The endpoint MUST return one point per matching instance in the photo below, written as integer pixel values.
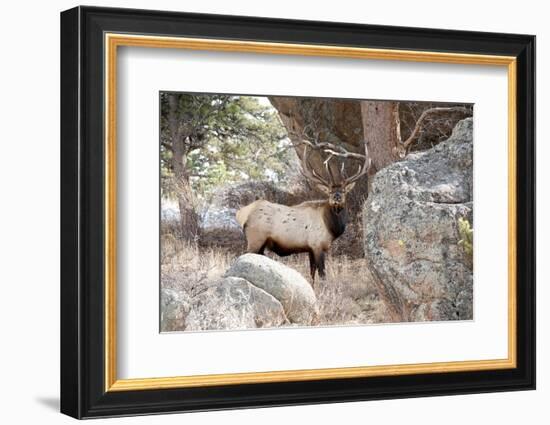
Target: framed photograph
(261, 212)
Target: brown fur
(309, 227)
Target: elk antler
(329, 170)
(332, 151)
(311, 174)
(362, 169)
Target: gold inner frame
(113, 41)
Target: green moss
(466, 236)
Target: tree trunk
(381, 129)
(189, 219)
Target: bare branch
(345, 154)
(329, 148)
(429, 112)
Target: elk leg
(262, 249)
(312, 266)
(320, 260)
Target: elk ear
(349, 187)
(323, 189)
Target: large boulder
(284, 283)
(234, 303)
(411, 231)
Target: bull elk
(309, 227)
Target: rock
(169, 211)
(174, 308)
(285, 284)
(411, 236)
(234, 303)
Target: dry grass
(346, 296)
(190, 269)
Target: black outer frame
(82, 207)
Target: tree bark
(381, 130)
(189, 220)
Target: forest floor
(347, 295)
